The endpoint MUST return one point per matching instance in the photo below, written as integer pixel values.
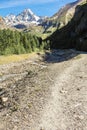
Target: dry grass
(15, 58)
(78, 57)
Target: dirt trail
(53, 117)
(67, 107)
(53, 97)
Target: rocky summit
(26, 17)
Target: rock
(4, 99)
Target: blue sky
(39, 7)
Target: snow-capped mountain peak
(28, 15)
(25, 17)
(28, 11)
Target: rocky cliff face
(74, 34)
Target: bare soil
(48, 92)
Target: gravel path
(66, 108)
(49, 96)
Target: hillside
(62, 17)
(65, 14)
(74, 34)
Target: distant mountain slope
(62, 17)
(74, 34)
(66, 8)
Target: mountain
(63, 16)
(60, 19)
(27, 18)
(74, 34)
(69, 8)
(46, 25)
(24, 18)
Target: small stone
(4, 99)
(78, 89)
(41, 129)
(80, 77)
(79, 117)
(15, 128)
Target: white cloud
(14, 3)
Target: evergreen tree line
(15, 42)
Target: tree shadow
(60, 55)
